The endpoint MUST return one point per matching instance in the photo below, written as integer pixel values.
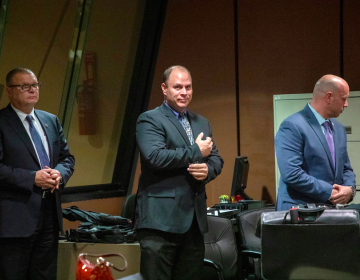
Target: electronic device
(241, 170)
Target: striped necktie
(330, 139)
(186, 125)
(44, 159)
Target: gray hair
(14, 71)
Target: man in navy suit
(35, 163)
(313, 162)
(178, 158)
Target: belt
(45, 193)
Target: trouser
(171, 256)
(34, 257)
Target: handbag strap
(107, 255)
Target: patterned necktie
(186, 125)
(330, 139)
(44, 159)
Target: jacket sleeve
(214, 161)
(65, 161)
(289, 149)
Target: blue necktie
(330, 139)
(44, 159)
(186, 125)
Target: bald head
(330, 83)
(330, 96)
(168, 71)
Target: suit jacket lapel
(318, 131)
(170, 115)
(195, 125)
(15, 122)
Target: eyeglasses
(27, 87)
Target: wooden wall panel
(284, 47)
(200, 36)
(351, 25)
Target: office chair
(325, 248)
(249, 242)
(221, 255)
(128, 210)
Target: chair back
(128, 210)
(247, 223)
(249, 243)
(220, 246)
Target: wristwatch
(353, 188)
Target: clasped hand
(204, 145)
(48, 178)
(198, 170)
(340, 194)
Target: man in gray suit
(178, 158)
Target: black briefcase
(325, 245)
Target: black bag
(323, 245)
(73, 213)
(98, 227)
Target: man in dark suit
(34, 164)
(311, 150)
(178, 158)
